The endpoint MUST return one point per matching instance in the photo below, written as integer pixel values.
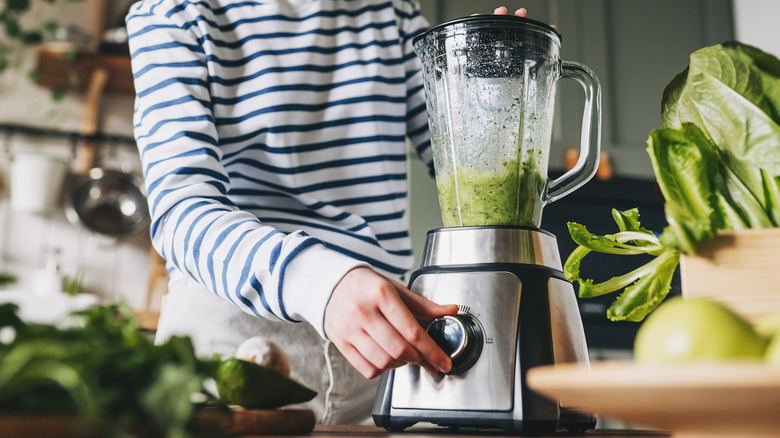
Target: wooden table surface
(420, 432)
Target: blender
(490, 89)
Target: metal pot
(109, 202)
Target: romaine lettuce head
(731, 92)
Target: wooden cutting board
(259, 421)
(234, 423)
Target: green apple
(772, 355)
(696, 330)
(768, 325)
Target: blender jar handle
(590, 137)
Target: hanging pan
(109, 201)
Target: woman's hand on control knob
(375, 323)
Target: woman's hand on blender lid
(522, 12)
(502, 10)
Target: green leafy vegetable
(7, 279)
(102, 368)
(717, 164)
(105, 371)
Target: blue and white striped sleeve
(194, 225)
(412, 23)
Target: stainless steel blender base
(527, 316)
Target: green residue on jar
(508, 195)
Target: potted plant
(717, 164)
(21, 32)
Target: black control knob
(460, 336)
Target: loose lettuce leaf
(645, 286)
(642, 297)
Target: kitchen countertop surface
(419, 432)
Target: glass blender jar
(490, 85)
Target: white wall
(755, 23)
(111, 269)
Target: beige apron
(344, 396)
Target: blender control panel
(460, 336)
(480, 339)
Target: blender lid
(480, 19)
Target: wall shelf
(7, 130)
(56, 71)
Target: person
(272, 136)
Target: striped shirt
(272, 137)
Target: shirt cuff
(309, 282)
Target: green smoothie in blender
(508, 195)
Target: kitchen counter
(420, 432)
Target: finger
(402, 320)
(522, 12)
(502, 10)
(357, 360)
(423, 308)
(371, 351)
(391, 341)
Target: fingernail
(445, 366)
(522, 12)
